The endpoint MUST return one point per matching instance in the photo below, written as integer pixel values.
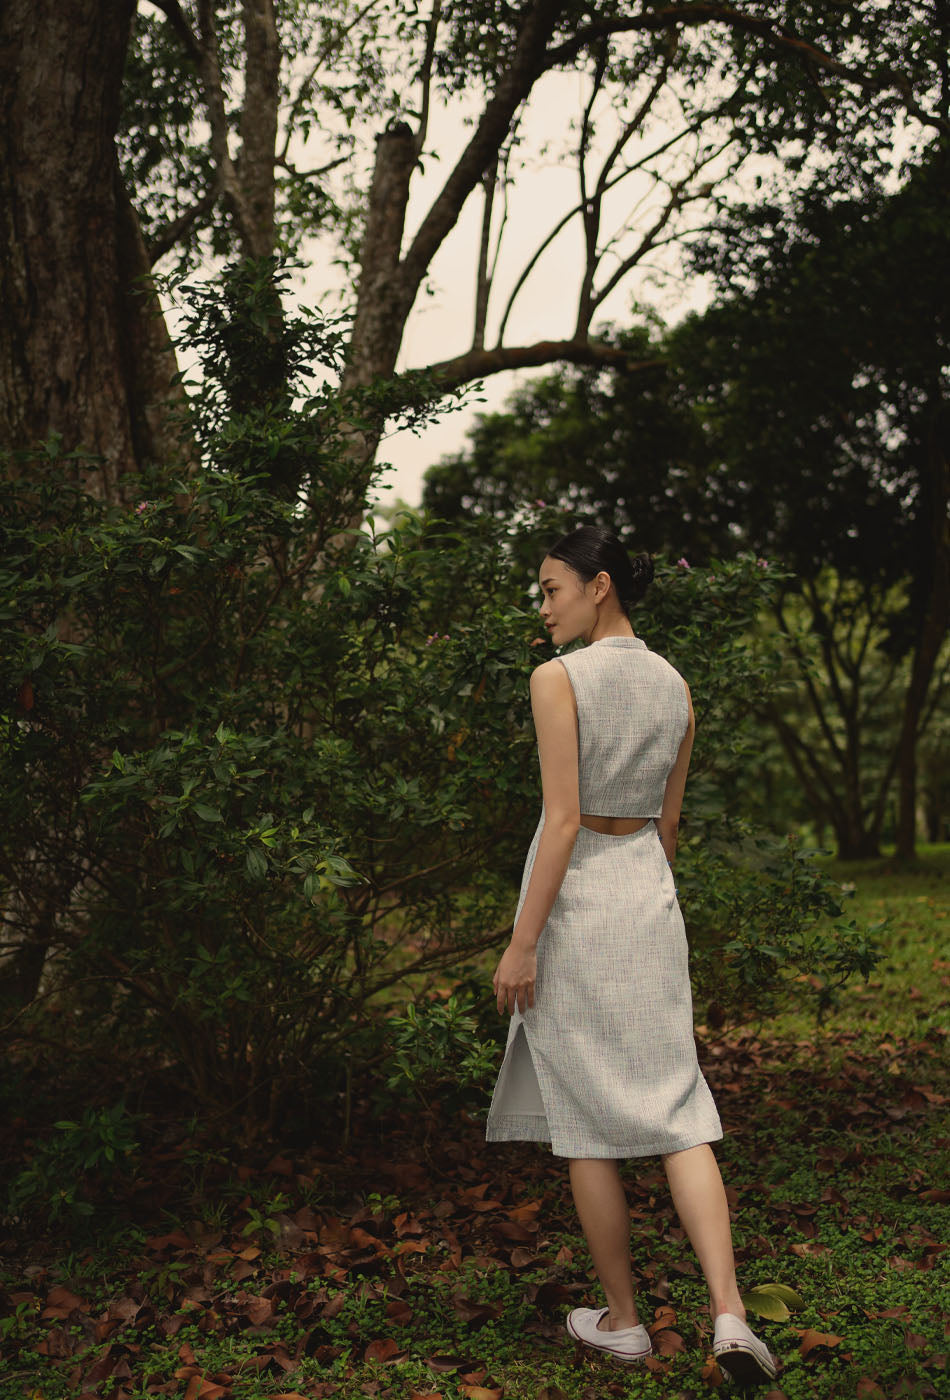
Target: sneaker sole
(744, 1366)
(629, 1358)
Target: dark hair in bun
(591, 550)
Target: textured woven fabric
(604, 1064)
(632, 716)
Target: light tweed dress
(604, 1064)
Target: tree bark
(934, 625)
(81, 356)
(384, 297)
(259, 123)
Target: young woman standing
(600, 1059)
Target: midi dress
(604, 1064)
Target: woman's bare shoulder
(550, 680)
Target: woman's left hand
(514, 978)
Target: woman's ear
(601, 585)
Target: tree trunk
(854, 841)
(82, 356)
(933, 631)
(383, 298)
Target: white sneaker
(629, 1344)
(740, 1353)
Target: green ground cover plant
(422, 1263)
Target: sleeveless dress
(604, 1064)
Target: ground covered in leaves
(424, 1263)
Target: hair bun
(643, 570)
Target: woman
(600, 1059)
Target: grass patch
(909, 991)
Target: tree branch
(531, 264)
(478, 363)
(211, 80)
(605, 184)
(590, 208)
(651, 239)
(778, 36)
(483, 276)
(514, 85)
(178, 20)
(804, 669)
(168, 235)
(432, 29)
(313, 174)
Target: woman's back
(632, 716)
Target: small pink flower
(762, 563)
(682, 564)
(541, 504)
(142, 507)
(712, 578)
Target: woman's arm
(555, 722)
(669, 818)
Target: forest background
(268, 771)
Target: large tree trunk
(82, 353)
(934, 624)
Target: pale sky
(441, 323)
(543, 188)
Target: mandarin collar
(619, 642)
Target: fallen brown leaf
(448, 1363)
(383, 1350)
(811, 1340)
(868, 1389)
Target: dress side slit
(519, 1091)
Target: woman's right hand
(514, 978)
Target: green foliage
(101, 1148)
(347, 69)
(759, 911)
(438, 1054)
(836, 1165)
(261, 773)
(263, 782)
(776, 1301)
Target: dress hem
(521, 1128)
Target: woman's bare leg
(700, 1201)
(605, 1219)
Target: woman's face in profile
(567, 610)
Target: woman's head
(589, 576)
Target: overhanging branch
(479, 363)
(778, 36)
(169, 234)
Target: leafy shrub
(102, 1146)
(262, 781)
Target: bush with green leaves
(264, 780)
(101, 1147)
